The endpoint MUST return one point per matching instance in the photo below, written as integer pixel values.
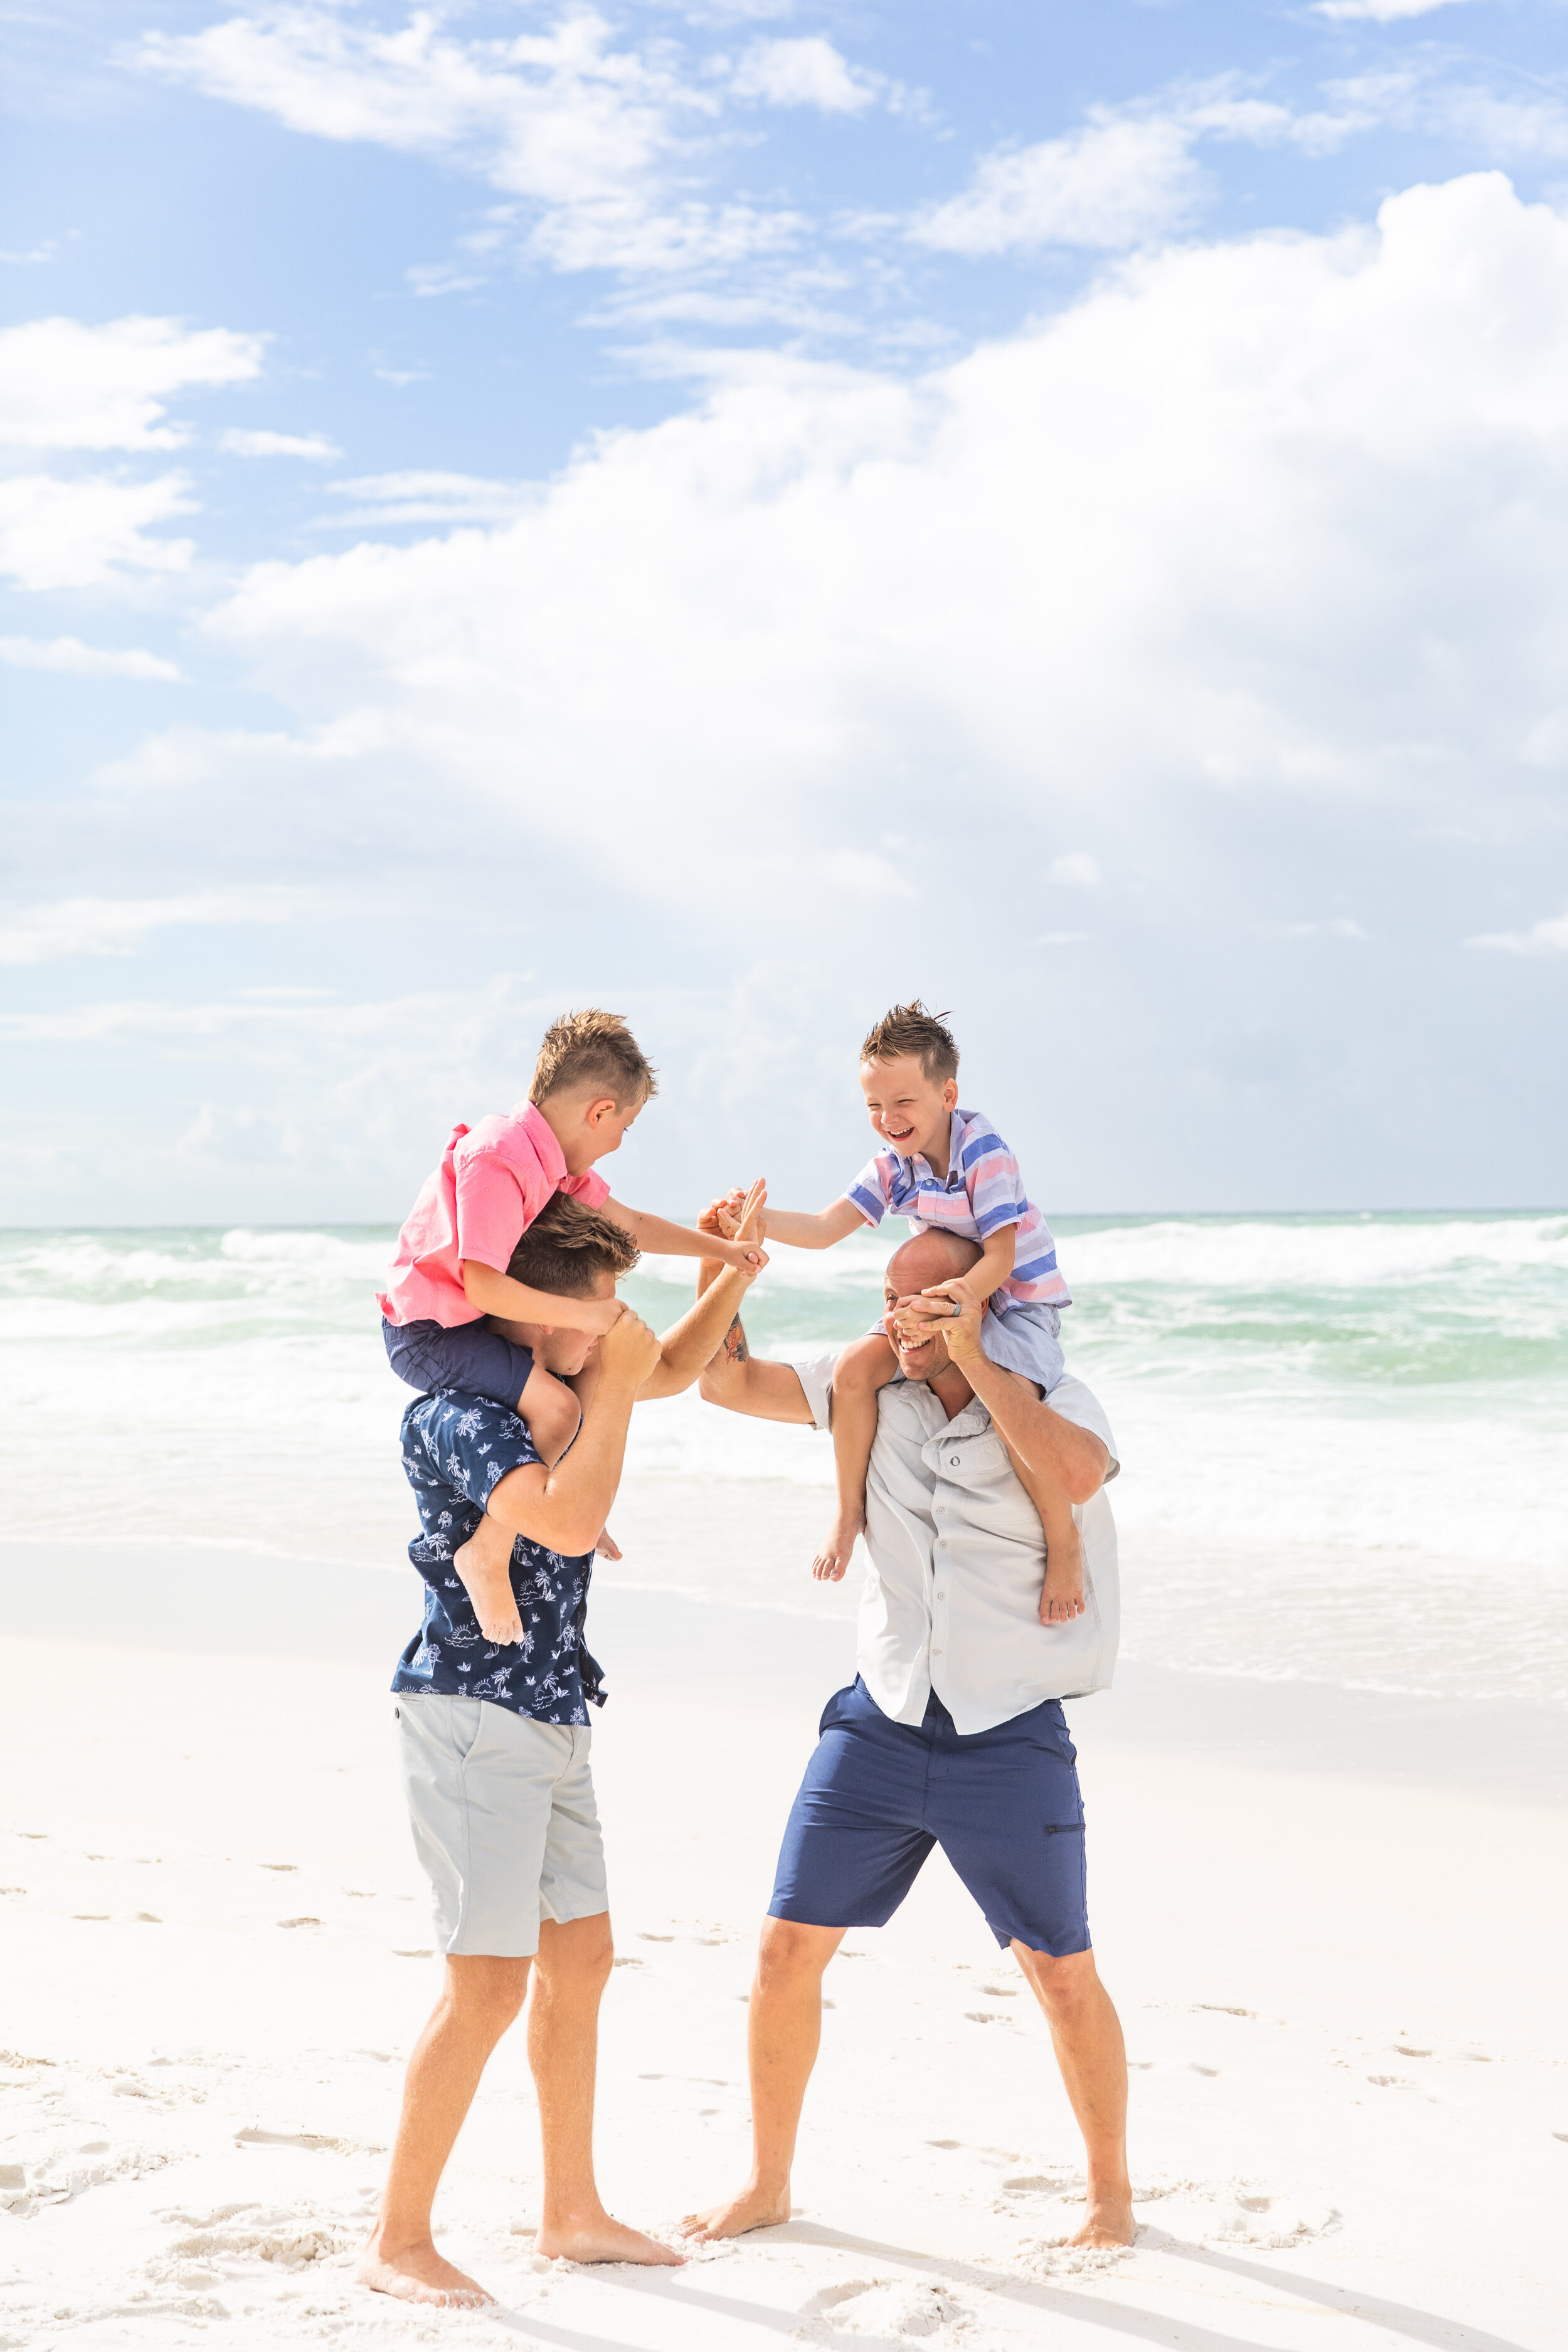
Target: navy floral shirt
(455, 1449)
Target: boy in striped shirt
(947, 1171)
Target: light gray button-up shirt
(950, 1600)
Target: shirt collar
(541, 1135)
(914, 1160)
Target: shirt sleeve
(492, 1210)
(994, 1183)
(816, 1378)
(1076, 1401)
(590, 1188)
(476, 1442)
(871, 1190)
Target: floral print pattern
(455, 1449)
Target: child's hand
(722, 1217)
(948, 1312)
(597, 1315)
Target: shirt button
(936, 1653)
(952, 1461)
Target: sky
(749, 513)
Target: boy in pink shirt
(449, 1270)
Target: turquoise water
(1344, 1439)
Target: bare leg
(1086, 2033)
(784, 2034)
(1061, 1596)
(478, 2000)
(573, 1968)
(865, 1367)
(484, 1563)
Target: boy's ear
(950, 1094)
(599, 1111)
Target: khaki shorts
(504, 1821)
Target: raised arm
(734, 1378)
(816, 1228)
(565, 1508)
(1072, 1459)
(687, 1346)
(657, 1237)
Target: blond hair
(910, 1029)
(592, 1049)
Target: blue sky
(747, 512)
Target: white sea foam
(1343, 1439)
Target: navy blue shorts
(472, 1356)
(1004, 1805)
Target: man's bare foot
(1108, 2221)
(831, 1561)
(753, 2209)
(602, 2239)
(419, 2274)
(1061, 1597)
(487, 1583)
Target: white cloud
(1211, 533)
(101, 926)
(71, 658)
(1119, 180)
(806, 72)
(237, 443)
(1549, 937)
(1077, 868)
(88, 532)
(413, 498)
(64, 385)
(594, 134)
(1376, 12)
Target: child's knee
(867, 1365)
(550, 1410)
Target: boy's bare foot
(831, 1561)
(602, 2239)
(486, 1580)
(753, 2209)
(1061, 1596)
(1108, 2221)
(419, 2274)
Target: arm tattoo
(735, 1346)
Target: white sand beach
(1333, 1925)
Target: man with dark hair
(494, 1742)
(951, 1733)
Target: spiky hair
(592, 1049)
(910, 1029)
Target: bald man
(951, 1733)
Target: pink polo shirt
(492, 1182)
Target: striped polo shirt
(982, 1191)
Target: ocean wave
(1327, 1254)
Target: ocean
(1344, 1439)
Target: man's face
(922, 1363)
(906, 1108)
(561, 1351)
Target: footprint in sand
(887, 2307)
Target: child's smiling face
(907, 1109)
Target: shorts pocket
(468, 1721)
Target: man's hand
(745, 1255)
(606, 1547)
(629, 1351)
